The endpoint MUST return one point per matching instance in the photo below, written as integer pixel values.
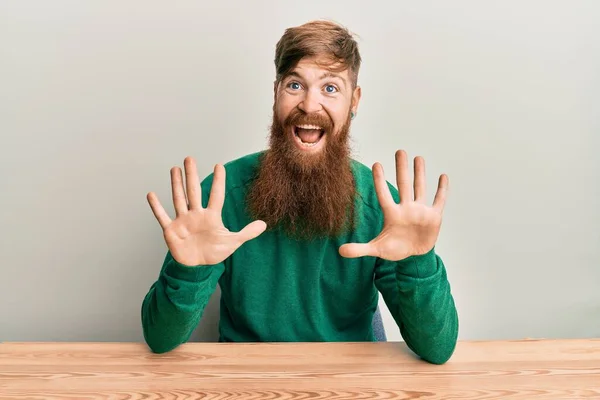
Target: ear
(356, 98)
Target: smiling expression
(314, 102)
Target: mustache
(299, 118)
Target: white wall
(99, 99)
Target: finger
(192, 184)
(420, 183)
(381, 187)
(353, 250)
(158, 210)
(403, 177)
(440, 196)
(251, 231)
(217, 191)
(179, 200)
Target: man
(301, 237)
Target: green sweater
(274, 289)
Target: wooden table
(525, 369)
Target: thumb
(353, 250)
(251, 231)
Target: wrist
(419, 266)
(184, 272)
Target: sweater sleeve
(417, 293)
(175, 303)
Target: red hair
(333, 44)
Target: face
(313, 104)
(305, 184)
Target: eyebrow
(328, 74)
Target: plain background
(98, 100)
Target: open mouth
(308, 135)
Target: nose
(311, 103)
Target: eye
(294, 85)
(330, 89)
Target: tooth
(309, 127)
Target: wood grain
(524, 369)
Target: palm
(200, 236)
(197, 236)
(409, 228)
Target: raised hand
(409, 228)
(197, 236)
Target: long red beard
(305, 195)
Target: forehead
(320, 67)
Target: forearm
(426, 309)
(175, 303)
